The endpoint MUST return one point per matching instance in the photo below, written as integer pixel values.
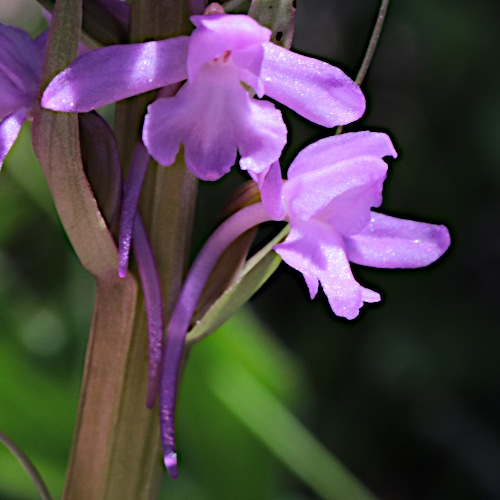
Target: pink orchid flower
(332, 186)
(213, 114)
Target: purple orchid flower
(212, 114)
(21, 60)
(332, 186)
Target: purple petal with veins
(113, 73)
(337, 148)
(314, 89)
(332, 186)
(389, 242)
(214, 118)
(317, 250)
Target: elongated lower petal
(214, 118)
(388, 242)
(341, 147)
(9, 130)
(314, 89)
(317, 250)
(133, 187)
(113, 73)
(153, 302)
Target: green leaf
(255, 273)
(271, 421)
(278, 16)
(56, 143)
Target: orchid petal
(350, 212)
(41, 40)
(153, 303)
(314, 89)
(136, 174)
(341, 147)
(20, 59)
(261, 135)
(388, 242)
(202, 117)
(309, 194)
(113, 73)
(316, 250)
(270, 186)
(220, 33)
(369, 295)
(9, 131)
(11, 97)
(214, 117)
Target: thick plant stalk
(116, 447)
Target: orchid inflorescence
(207, 82)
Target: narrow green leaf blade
(56, 143)
(255, 273)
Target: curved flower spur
(212, 114)
(332, 186)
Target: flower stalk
(116, 446)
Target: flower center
(224, 58)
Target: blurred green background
(407, 396)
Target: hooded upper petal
(113, 73)
(213, 118)
(314, 193)
(314, 89)
(341, 147)
(218, 34)
(389, 242)
(317, 251)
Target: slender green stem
(34, 475)
(372, 45)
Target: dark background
(406, 395)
